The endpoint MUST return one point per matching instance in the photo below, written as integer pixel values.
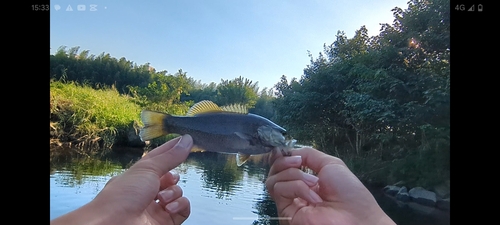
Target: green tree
(98, 71)
(382, 101)
(198, 91)
(237, 91)
(265, 104)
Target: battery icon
(479, 8)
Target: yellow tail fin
(153, 125)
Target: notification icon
(80, 7)
(57, 7)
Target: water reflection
(266, 208)
(76, 172)
(219, 173)
(220, 192)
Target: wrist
(92, 213)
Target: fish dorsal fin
(236, 108)
(204, 106)
(241, 158)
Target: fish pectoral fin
(241, 158)
(244, 136)
(251, 140)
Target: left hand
(130, 198)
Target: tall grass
(85, 116)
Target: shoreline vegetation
(380, 103)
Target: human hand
(334, 196)
(130, 198)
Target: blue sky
(215, 39)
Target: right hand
(334, 196)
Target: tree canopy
(386, 96)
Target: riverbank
(411, 212)
(89, 119)
(420, 199)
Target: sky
(215, 39)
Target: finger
(111, 180)
(342, 184)
(282, 163)
(289, 175)
(169, 179)
(167, 159)
(334, 176)
(315, 159)
(290, 190)
(179, 209)
(162, 148)
(169, 194)
(273, 155)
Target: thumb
(165, 157)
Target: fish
(227, 129)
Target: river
(219, 191)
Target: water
(219, 191)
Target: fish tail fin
(153, 125)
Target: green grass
(81, 112)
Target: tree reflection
(265, 205)
(220, 172)
(257, 166)
(266, 209)
(81, 170)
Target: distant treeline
(154, 88)
(381, 103)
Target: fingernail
(175, 175)
(184, 142)
(295, 160)
(310, 179)
(166, 195)
(172, 207)
(315, 197)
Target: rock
(391, 190)
(133, 139)
(443, 204)
(422, 196)
(403, 195)
(442, 190)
